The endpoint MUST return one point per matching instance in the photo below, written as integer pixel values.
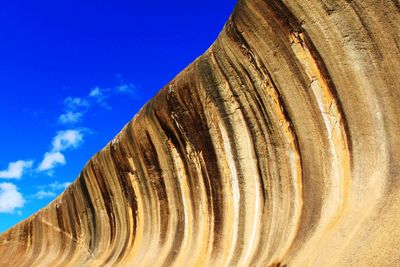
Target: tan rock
(279, 146)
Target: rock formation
(279, 146)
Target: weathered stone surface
(279, 146)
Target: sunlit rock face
(278, 146)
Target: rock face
(279, 146)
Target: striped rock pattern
(279, 146)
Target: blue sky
(72, 73)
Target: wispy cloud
(67, 139)
(74, 103)
(51, 160)
(61, 142)
(16, 169)
(44, 194)
(10, 198)
(50, 190)
(74, 109)
(100, 95)
(96, 92)
(70, 117)
(127, 88)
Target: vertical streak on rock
(337, 196)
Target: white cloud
(15, 169)
(74, 109)
(50, 160)
(66, 139)
(73, 103)
(10, 198)
(62, 141)
(59, 186)
(44, 194)
(127, 88)
(100, 95)
(70, 117)
(96, 92)
(50, 190)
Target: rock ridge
(279, 146)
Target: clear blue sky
(72, 73)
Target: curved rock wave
(278, 146)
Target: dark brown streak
(91, 212)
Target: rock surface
(278, 146)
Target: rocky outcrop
(279, 146)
